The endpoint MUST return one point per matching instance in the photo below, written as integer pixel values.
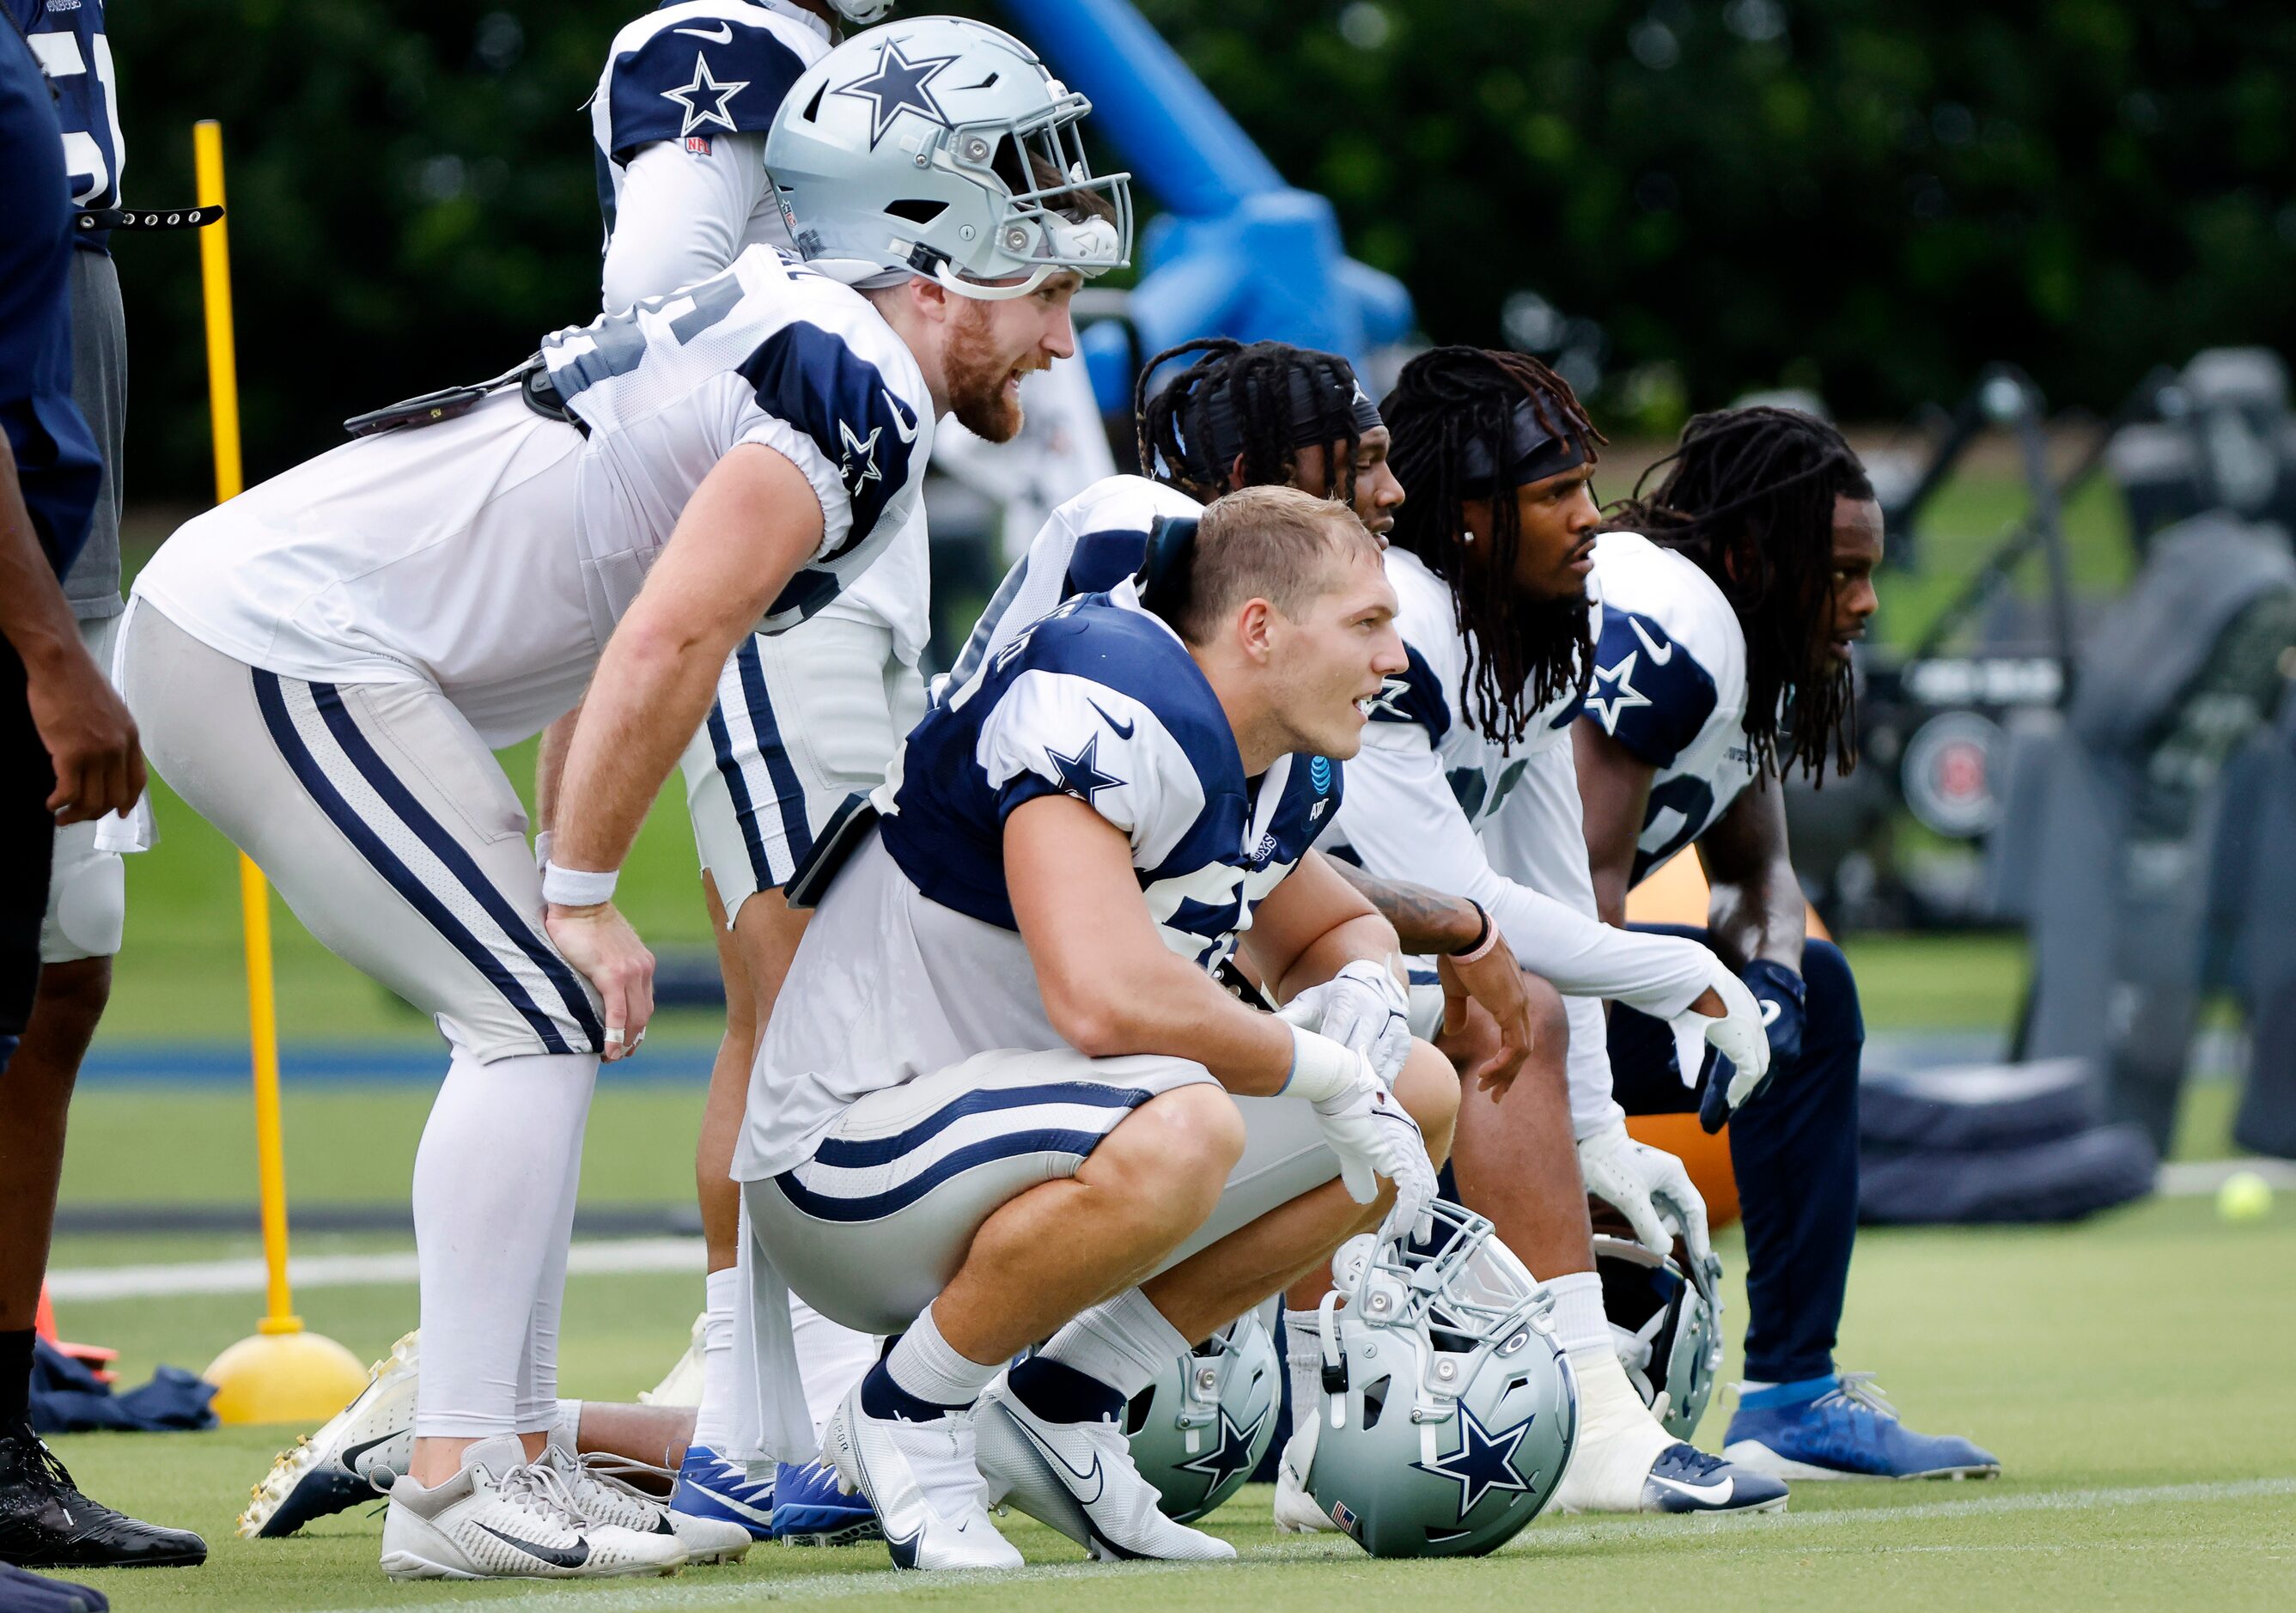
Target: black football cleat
(46, 1523)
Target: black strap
(848, 826)
(145, 218)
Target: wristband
(577, 887)
(542, 851)
(1485, 938)
(1321, 1068)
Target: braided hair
(1756, 486)
(1262, 401)
(1451, 405)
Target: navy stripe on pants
(1795, 1153)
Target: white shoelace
(1858, 1390)
(540, 1488)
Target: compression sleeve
(682, 216)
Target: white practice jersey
(914, 962)
(678, 127)
(1429, 780)
(1670, 684)
(386, 559)
(1087, 545)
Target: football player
(323, 665)
(1489, 568)
(1019, 1107)
(803, 719)
(1731, 595)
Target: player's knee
(1191, 1135)
(1550, 1023)
(1834, 1018)
(72, 997)
(1429, 1090)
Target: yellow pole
(254, 893)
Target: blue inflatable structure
(1237, 252)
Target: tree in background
(1872, 198)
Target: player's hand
(1495, 981)
(1648, 1186)
(1367, 1127)
(1364, 1009)
(1728, 1017)
(606, 952)
(90, 738)
(1778, 995)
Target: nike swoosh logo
(724, 36)
(1099, 1481)
(1769, 1014)
(908, 432)
(1712, 1495)
(559, 1557)
(740, 1508)
(1123, 730)
(1659, 658)
(351, 1457)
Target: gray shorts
(871, 1227)
(803, 719)
(384, 822)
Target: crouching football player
(1018, 1110)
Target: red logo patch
(697, 145)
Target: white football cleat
(1079, 1478)
(1296, 1511)
(924, 1482)
(328, 1471)
(682, 1385)
(502, 1518)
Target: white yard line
(600, 1258)
(690, 1591)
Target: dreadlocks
(1262, 403)
(1749, 496)
(1454, 413)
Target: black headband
(1163, 575)
(1532, 452)
(1316, 402)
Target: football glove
(1364, 1008)
(1364, 1123)
(1647, 1185)
(1737, 1034)
(1778, 995)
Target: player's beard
(976, 376)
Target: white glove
(1647, 1185)
(1366, 1008)
(1373, 1133)
(1738, 1035)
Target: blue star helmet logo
(1081, 774)
(1230, 1453)
(1484, 1460)
(705, 87)
(897, 85)
(1624, 696)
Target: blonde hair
(1273, 542)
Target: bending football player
(323, 665)
(1731, 595)
(1019, 1107)
(1489, 566)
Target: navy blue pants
(1795, 1151)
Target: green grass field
(2130, 1373)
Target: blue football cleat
(1686, 1479)
(1841, 1427)
(809, 1511)
(710, 1486)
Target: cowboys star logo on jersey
(1623, 696)
(897, 85)
(858, 460)
(705, 88)
(1389, 702)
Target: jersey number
(1694, 799)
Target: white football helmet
(1667, 1328)
(943, 147)
(1199, 1431)
(861, 13)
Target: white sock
(1303, 1363)
(830, 1359)
(491, 1221)
(566, 1427)
(1123, 1342)
(713, 1419)
(926, 1365)
(1580, 1325)
(1619, 1439)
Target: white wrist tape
(1321, 1068)
(577, 887)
